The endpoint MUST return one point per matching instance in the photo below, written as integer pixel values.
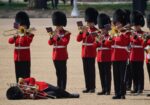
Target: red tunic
(60, 47)
(147, 55)
(22, 47)
(137, 48)
(31, 82)
(88, 50)
(103, 50)
(119, 47)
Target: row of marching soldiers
(115, 43)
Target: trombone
(22, 31)
(10, 32)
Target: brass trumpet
(22, 31)
(115, 32)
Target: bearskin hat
(91, 15)
(137, 18)
(127, 15)
(103, 20)
(148, 20)
(22, 18)
(59, 19)
(14, 93)
(119, 16)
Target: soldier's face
(138, 27)
(118, 25)
(104, 31)
(90, 24)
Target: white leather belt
(147, 47)
(59, 46)
(136, 46)
(92, 32)
(21, 48)
(148, 56)
(120, 47)
(103, 48)
(87, 44)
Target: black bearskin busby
(14, 93)
(91, 15)
(137, 18)
(103, 20)
(148, 21)
(127, 15)
(119, 16)
(59, 19)
(22, 18)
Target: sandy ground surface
(43, 69)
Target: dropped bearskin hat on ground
(59, 19)
(119, 16)
(137, 18)
(91, 15)
(103, 20)
(14, 93)
(22, 18)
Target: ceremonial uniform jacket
(148, 48)
(137, 47)
(88, 38)
(60, 46)
(120, 47)
(103, 49)
(22, 47)
(32, 82)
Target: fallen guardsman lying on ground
(29, 88)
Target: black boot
(86, 91)
(101, 93)
(116, 97)
(74, 95)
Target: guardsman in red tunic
(29, 88)
(60, 40)
(88, 50)
(103, 45)
(22, 43)
(128, 70)
(137, 52)
(148, 48)
(119, 54)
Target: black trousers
(61, 73)
(128, 77)
(119, 70)
(105, 75)
(22, 69)
(89, 72)
(148, 69)
(57, 92)
(138, 75)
